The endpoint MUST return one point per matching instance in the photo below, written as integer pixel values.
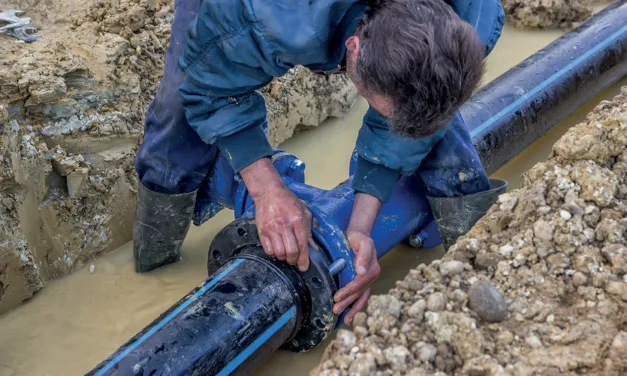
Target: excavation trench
(76, 321)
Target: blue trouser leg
(173, 158)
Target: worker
(415, 62)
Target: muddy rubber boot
(161, 223)
(455, 216)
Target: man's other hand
(368, 270)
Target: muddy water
(76, 321)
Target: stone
(616, 255)
(579, 279)
(398, 357)
(364, 364)
(598, 184)
(427, 353)
(346, 338)
(533, 341)
(508, 201)
(76, 182)
(619, 346)
(436, 302)
(565, 215)
(558, 261)
(487, 302)
(543, 230)
(617, 288)
(486, 260)
(417, 310)
(47, 90)
(451, 268)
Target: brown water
(75, 322)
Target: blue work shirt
(235, 47)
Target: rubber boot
(161, 223)
(455, 216)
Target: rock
(346, 338)
(431, 274)
(486, 260)
(436, 302)
(359, 319)
(508, 201)
(417, 310)
(617, 288)
(598, 184)
(485, 300)
(451, 268)
(76, 182)
(558, 261)
(579, 279)
(616, 255)
(398, 357)
(619, 346)
(427, 353)
(533, 341)
(364, 364)
(543, 230)
(46, 90)
(565, 215)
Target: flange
(315, 287)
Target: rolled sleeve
(375, 180)
(384, 156)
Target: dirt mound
(537, 287)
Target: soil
(537, 287)
(72, 106)
(546, 14)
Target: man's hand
(365, 212)
(368, 270)
(283, 221)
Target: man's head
(416, 62)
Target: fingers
(359, 284)
(359, 305)
(267, 245)
(291, 247)
(365, 253)
(302, 230)
(277, 246)
(341, 305)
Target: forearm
(261, 177)
(365, 210)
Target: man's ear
(352, 45)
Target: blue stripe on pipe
(517, 103)
(203, 289)
(250, 349)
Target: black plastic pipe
(511, 112)
(226, 326)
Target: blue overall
(206, 122)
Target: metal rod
(338, 265)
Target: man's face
(379, 102)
